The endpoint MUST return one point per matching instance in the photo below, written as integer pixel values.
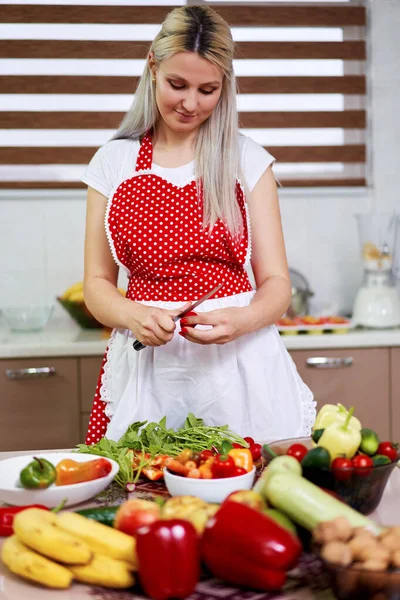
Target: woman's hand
(226, 324)
(151, 325)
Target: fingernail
(183, 322)
(183, 331)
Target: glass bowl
(353, 583)
(361, 489)
(28, 318)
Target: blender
(377, 303)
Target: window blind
(68, 73)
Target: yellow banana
(37, 528)
(26, 563)
(72, 288)
(76, 296)
(100, 538)
(105, 571)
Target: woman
(191, 203)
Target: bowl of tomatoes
(358, 481)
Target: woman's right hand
(153, 326)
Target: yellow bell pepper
(242, 458)
(335, 413)
(341, 440)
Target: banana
(26, 563)
(37, 528)
(76, 296)
(72, 288)
(100, 538)
(105, 571)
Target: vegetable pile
(145, 447)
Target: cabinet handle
(30, 373)
(323, 362)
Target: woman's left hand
(226, 324)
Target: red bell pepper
(7, 514)
(169, 558)
(245, 547)
(223, 466)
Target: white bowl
(10, 492)
(209, 490)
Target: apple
(136, 513)
(248, 497)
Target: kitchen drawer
(364, 384)
(39, 410)
(89, 371)
(395, 392)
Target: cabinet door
(89, 371)
(364, 384)
(39, 404)
(395, 392)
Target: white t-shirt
(116, 161)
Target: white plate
(209, 490)
(11, 493)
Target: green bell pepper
(38, 474)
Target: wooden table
(307, 582)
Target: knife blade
(139, 346)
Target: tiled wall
(41, 236)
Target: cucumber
(369, 441)
(307, 505)
(104, 514)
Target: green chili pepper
(40, 473)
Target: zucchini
(308, 505)
(104, 514)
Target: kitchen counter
(61, 341)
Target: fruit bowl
(12, 493)
(209, 490)
(80, 314)
(361, 489)
(354, 583)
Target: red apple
(134, 514)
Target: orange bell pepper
(70, 471)
(242, 458)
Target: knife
(139, 346)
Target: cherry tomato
(298, 451)
(387, 449)
(362, 464)
(255, 450)
(342, 468)
(223, 466)
(236, 445)
(206, 454)
(249, 440)
(239, 471)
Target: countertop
(59, 340)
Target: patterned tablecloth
(307, 582)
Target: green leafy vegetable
(156, 438)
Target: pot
(301, 293)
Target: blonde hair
(201, 30)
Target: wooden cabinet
(89, 371)
(364, 383)
(39, 403)
(395, 393)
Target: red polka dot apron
(155, 231)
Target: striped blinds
(68, 73)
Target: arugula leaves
(156, 438)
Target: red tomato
(249, 440)
(387, 449)
(362, 464)
(342, 468)
(204, 454)
(255, 450)
(238, 471)
(236, 445)
(298, 451)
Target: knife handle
(138, 345)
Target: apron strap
(145, 155)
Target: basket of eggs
(74, 303)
